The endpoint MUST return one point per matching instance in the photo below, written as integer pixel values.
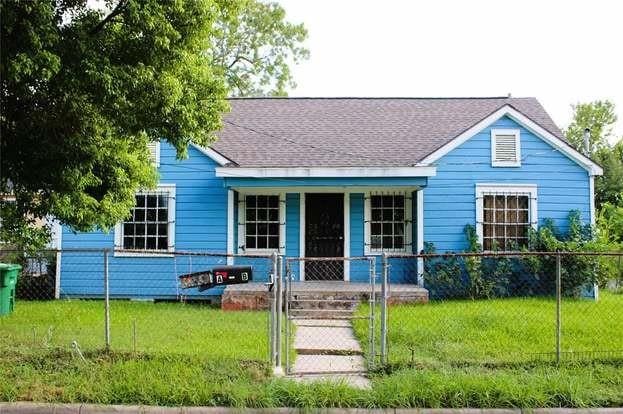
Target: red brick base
(244, 301)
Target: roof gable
(214, 155)
(508, 111)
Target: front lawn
(197, 355)
(501, 353)
(153, 328)
(502, 330)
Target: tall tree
(83, 92)
(609, 187)
(600, 117)
(255, 47)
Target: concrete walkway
(327, 350)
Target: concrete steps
(324, 341)
(323, 304)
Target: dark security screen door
(324, 235)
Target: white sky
(561, 52)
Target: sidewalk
(327, 350)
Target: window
(150, 225)
(262, 225)
(388, 218)
(505, 215)
(505, 148)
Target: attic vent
(505, 148)
(154, 152)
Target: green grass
(196, 355)
(161, 328)
(501, 330)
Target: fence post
(106, 302)
(273, 311)
(287, 316)
(57, 276)
(278, 369)
(558, 306)
(384, 293)
(372, 322)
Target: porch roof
(325, 182)
(326, 177)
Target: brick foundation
(254, 296)
(236, 301)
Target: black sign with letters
(218, 276)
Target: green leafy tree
(82, 94)
(255, 47)
(609, 187)
(600, 117)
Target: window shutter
(505, 151)
(505, 148)
(154, 152)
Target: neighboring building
(342, 177)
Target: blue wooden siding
(449, 199)
(201, 217)
(200, 225)
(359, 270)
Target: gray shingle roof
(367, 132)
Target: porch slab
(255, 296)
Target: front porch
(327, 222)
(255, 296)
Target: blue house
(334, 177)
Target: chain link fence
(403, 310)
(500, 308)
(88, 300)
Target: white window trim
(367, 214)
(230, 227)
(157, 154)
(486, 188)
(169, 188)
(419, 217)
(514, 132)
(242, 222)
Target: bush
(37, 279)
(488, 277)
(610, 238)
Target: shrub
(486, 277)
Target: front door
(324, 235)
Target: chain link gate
(326, 330)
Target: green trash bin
(8, 280)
